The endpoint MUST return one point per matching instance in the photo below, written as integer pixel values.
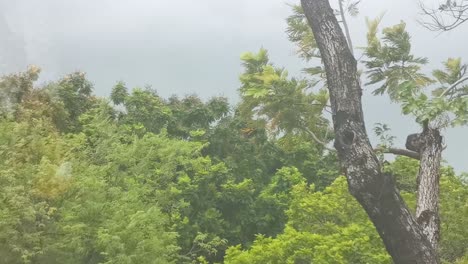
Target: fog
(182, 47)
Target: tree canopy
(139, 178)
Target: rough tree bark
(375, 191)
(429, 146)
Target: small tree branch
(446, 17)
(400, 152)
(345, 25)
(317, 140)
(460, 95)
(394, 151)
(454, 85)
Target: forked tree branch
(446, 16)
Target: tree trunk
(427, 210)
(374, 190)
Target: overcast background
(187, 46)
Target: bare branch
(345, 25)
(316, 139)
(446, 16)
(400, 152)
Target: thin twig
(457, 15)
(316, 139)
(345, 25)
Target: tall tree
(390, 63)
(375, 191)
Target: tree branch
(454, 85)
(456, 13)
(317, 140)
(400, 152)
(345, 25)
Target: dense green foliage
(144, 180)
(154, 180)
(138, 178)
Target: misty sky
(186, 46)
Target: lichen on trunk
(427, 208)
